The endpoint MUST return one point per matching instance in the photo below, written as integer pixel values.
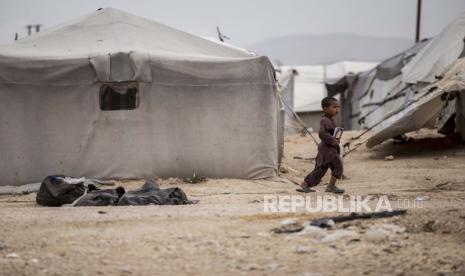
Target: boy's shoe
(306, 190)
(334, 189)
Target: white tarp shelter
(425, 105)
(442, 51)
(422, 107)
(309, 83)
(304, 88)
(112, 95)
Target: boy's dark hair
(327, 101)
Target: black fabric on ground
(107, 197)
(54, 191)
(150, 193)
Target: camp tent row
(303, 88)
(113, 95)
(400, 95)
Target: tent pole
(417, 33)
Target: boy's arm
(324, 134)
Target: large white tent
(113, 95)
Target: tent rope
(299, 121)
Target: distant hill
(326, 49)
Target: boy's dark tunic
(328, 154)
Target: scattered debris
(353, 240)
(194, 179)
(34, 187)
(389, 158)
(255, 201)
(263, 234)
(288, 221)
(338, 235)
(442, 184)
(422, 198)
(12, 256)
(429, 226)
(326, 221)
(252, 267)
(382, 232)
(391, 228)
(313, 231)
(148, 193)
(288, 228)
(272, 266)
(302, 158)
(376, 235)
(300, 249)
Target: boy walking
(328, 156)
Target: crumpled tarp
(55, 191)
(58, 190)
(149, 193)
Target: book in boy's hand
(338, 132)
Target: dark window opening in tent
(119, 96)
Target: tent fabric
(454, 81)
(203, 108)
(150, 193)
(309, 84)
(371, 95)
(106, 197)
(337, 87)
(111, 31)
(392, 67)
(423, 69)
(425, 106)
(410, 118)
(400, 80)
(438, 54)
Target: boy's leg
(313, 178)
(337, 171)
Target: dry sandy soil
(228, 232)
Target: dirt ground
(229, 233)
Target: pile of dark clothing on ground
(59, 190)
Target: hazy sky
(247, 21)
